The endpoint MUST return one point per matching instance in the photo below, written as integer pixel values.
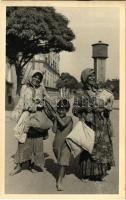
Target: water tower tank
(100, 50)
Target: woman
(32, 149)
(95, 113)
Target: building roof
(100, 43)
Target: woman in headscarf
(93, 108)
(30, 145)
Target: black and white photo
(63, 99)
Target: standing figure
(63, 124)
(30, 139)
(93, 107)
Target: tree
(66, 83)
(113, 85)
(35, 30)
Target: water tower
(100, 54)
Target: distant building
(10, 90)
(100, 54)
(48, 63)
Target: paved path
(44, 183)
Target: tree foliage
(67, 81)
(113, 85)
(34, 30)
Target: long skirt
(31, 150)
(101, 160)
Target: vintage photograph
(63, 0)
(62, 100)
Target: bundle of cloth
(30, 110)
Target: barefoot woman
(95, 114)
(32, 150)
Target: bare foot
(101, 179)
(85, 180)
(35, 169)
(59, 187)
(15, 171)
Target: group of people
(90, 106)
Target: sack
(81, 138)
(17, 112)
(19, 129)
(40, 121)
(21, 138)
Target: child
(62, 126)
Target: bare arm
(62, 123)
(68, 128)
(54, 128)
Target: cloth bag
(40, 120)
(80, 138)
(17, 112)
(20, 126)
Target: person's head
(88, 77)
(63, 107)
(36, 78)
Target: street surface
(27, 182)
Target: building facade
(47, 63)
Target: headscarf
(85, 74)
(33, 72)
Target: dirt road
(44, 182)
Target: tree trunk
(19, 65)
(19, 78)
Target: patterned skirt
(101, 160)
(31, 150)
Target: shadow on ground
(52, 167)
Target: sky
(91, 25)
